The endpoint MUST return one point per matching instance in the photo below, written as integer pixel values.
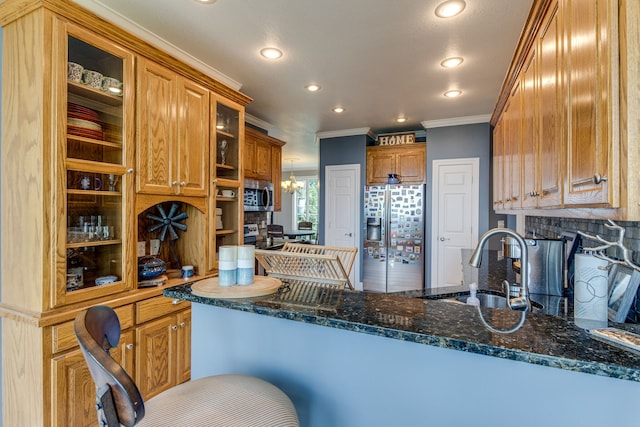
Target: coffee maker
(546, 263)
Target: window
(305, 202)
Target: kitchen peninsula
(363, 359)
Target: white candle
(246, 260)
(227, 265)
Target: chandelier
(291, 185)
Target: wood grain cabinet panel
(74, 394)
(257, 156)
(276, 168)
(589, 97)
(162, 349)
(408, 161)
(173, 133)
(498, 165)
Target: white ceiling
(377, 58)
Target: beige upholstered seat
(222, 400)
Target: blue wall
(454, 142)
(442, 143)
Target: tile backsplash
(550, 227)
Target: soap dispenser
(473, 290)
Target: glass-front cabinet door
(225, 205)
(94, 122)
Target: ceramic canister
(227, 265)
(245, 272)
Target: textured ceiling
(377, 58)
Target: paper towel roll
(246, 261)
(590, 289)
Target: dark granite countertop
(543, 339)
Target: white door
(455, 218)
(342, 211)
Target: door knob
(348, 234)
(442, 239)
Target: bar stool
(220, 400)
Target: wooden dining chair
(307, 225)
(275, 230)
(221, 400)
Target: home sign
(397, 139)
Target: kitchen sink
(487, 299)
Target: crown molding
(127, 24)
(344, 132)
(258, 122)
(456, 121)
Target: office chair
(221, 400)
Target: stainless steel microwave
(258, 196)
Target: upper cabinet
(590, 97)
(257, 155)
(571, 81)
(407, 161)
(95, 121)
(173, 133)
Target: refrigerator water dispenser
(373, 229)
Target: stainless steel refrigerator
(393, 247)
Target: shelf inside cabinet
(114, 145)
(225, 182)
(223, 133)
(93, 243)
(94, 94)
(94, 193)
(220, 233)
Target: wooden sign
(397, 139)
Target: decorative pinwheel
(167, 224)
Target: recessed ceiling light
(453, 93)
(450, 8)
(271, 53)
(401, 119)
(312, 87)
(338, 110)
(452, 62)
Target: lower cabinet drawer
(63, 337)
(153, 308)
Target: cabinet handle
(175, 301)
(597, 179)
(534, 194)
(130, 171)
(182, 184)
(182, 324)
(214, 181)
(174, 328)
(174, 183)
(129, 347)
(507, 200)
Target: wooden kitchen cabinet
(276, 170)
(408, 161)
(571, 93)
(257, 155)
(72, 389)
(551, 143)
(498, 165)
(70, 194)
(590, 94)
(163, 345)
(173, 133)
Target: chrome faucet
(522, 302)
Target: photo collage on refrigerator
(405, 211)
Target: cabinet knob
(130, 171)
(129, 346)
(597, 178)
(174, 327)
(214, 181)
(182, 324)
(174, 183)
(175, 302)
(182, 184)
